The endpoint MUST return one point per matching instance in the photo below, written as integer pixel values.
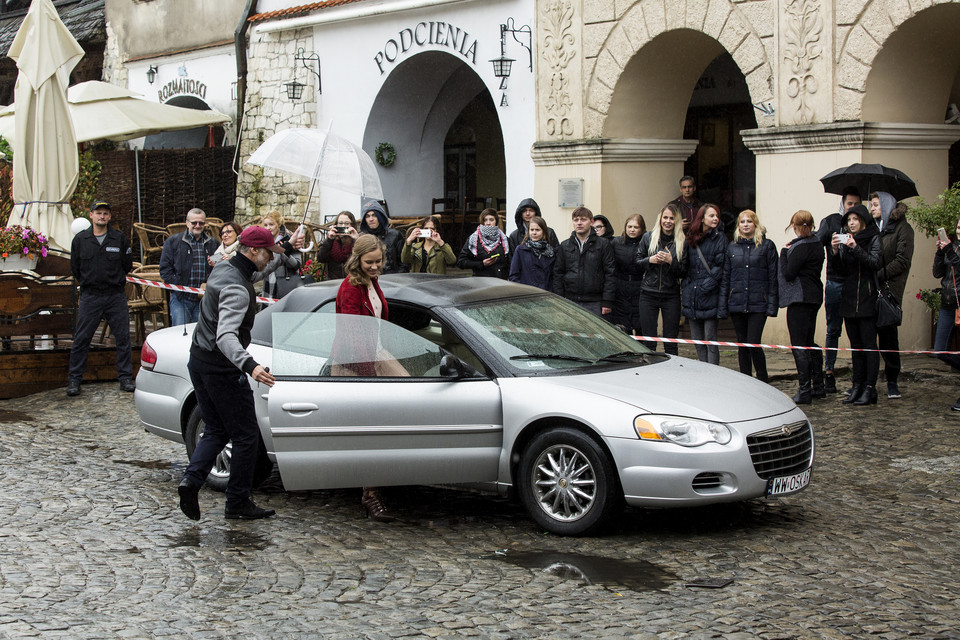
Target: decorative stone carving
(802, 30)
(558, 49)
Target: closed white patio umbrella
(45, 162)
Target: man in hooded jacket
(374, 221)
(527, 209)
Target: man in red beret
(219, 365)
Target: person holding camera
(338, 244)
(946, 265)
(859, 251)
(660, 259)
(425, 251)
(286, 277)
(485, 251)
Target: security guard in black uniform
(100, 259)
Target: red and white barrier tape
(718, 343)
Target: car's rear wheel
(220, 473)
(568, 483)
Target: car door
(361, 402)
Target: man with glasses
(185, 261)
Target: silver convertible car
(487, 383)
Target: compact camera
(425, 233)
(843, 237)
(341, 230)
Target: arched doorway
(196, 138)
(440, 117)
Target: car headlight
(683, 431)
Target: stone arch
(898, 65)
(646, 34)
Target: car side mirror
(451, 367)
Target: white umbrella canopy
(103, 111)
(45, 161)
(326, 158)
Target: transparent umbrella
(323, 157)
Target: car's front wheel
(568, 483)
(220, 473)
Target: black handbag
(889, 312)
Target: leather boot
(868, 396)
(818, 389)
(855, 393)
(829, 382)
(805, 395)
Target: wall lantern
(151, 73)
(503, 64)
(294, 88)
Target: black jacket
(946, 266)
(527, 268)
(830, 225)
(388, 235)
(860, 265)
(500, 268)
(177, 257)
(700, 291)
(750, 278)
(588, 275)
(101, 268)
(661, 279)
(896, 250)
(804, 261)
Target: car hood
(683, 387)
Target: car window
(340, 345)
(547, 333)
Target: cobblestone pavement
(92, 544)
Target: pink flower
(26, 251)
(43, 252)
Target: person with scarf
(660, 259)
(626, 306)
(860, 255)
(896, 255)
(374, 221)
(801, 292)
(427, 253)
(749, 292)
(337, 246)
(229, 242)
(700, 291)
(286, 277)
(486, 250)
(533, 259)
(527, 208)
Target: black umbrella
(868, 178)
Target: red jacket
(360, 349)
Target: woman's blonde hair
(803, 220)
(276, 217)
(759, 230)
(365, 244)
(678, 237)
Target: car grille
(781, 451)
(707, 480)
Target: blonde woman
(660, 257)
(286, 277)
(749, 292)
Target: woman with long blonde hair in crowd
(749, 291)
(660, 256)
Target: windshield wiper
(616, 357)
(550, 356)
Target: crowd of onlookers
(688, 265)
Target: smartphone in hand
(942, 235)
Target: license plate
(788, 484)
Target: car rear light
(148, 357)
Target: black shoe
(956, 407)
(247, 511)
(804, 396)
(188, 499)
(372, 501)
(829, 383)
(73, 388)
(855, 392)
(893, 392)
(869, 396)
(127, 385)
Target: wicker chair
(151, 241)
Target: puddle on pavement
(226, 539)
(14, 416)
(637, 575)
(147, 464)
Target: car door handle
(299, 407)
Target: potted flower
(21, 248)
(314, 269)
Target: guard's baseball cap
(259, 238)
(100, 204)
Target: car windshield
(331, 345)
(548, 333)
